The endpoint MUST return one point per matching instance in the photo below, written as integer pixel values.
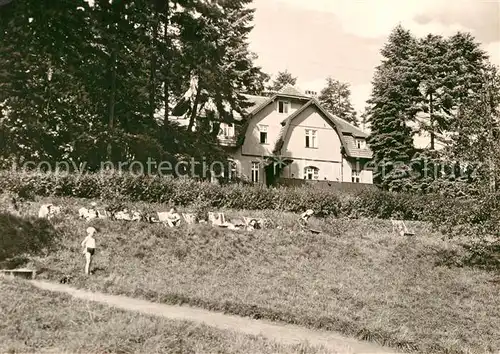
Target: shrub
(476, 216)
(114, 186)
(24, 235)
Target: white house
(290, 132)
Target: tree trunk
(167, 60)
(48, 88)
(490, 106)
(117, 8)
(431, 104)
(194, 111)
(152, 74)
(215, 128)
(112, 99)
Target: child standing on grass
(88, 245)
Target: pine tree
(224, 66)
(467, 64)
(432, 69)
(107, 64)
(477, 127)
(335, 97)
(119, 83)
(282, 78)
(392, 108)
(95, 93)
(45, 102)
(449, 70)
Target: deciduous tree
(335, 97)
(282, 79)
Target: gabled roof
(348, 128)
(342, 125)
(256, 101)
(353, 151)
(346, 131)
(288, 91)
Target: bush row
(478, 216)
(24, 235)
(184, 192)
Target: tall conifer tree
(393, 107)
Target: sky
(314, 39)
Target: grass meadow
(34, 320)
(357, 277)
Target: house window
(356, 176)
(263, 134)
(360, 143)
(311, 138)
(283, 106)
(255, 172)
(226, 130)
(311, 172)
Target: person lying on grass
(173, 218)
(88, 245)
(304, 217)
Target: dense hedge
(114, 186)
(24, 235)
(474, 217)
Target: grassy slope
(35, 320)
(358, 278)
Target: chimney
(311, 93)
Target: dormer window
(360, 143)
(283, 107)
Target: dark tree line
(444, 88)
(93, 83)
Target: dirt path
(282, 333)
